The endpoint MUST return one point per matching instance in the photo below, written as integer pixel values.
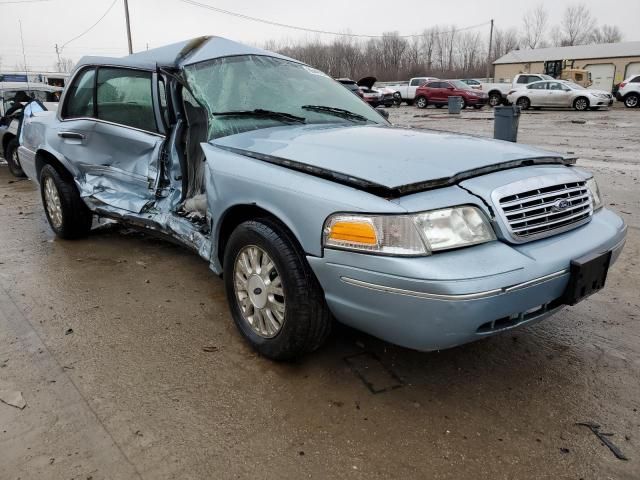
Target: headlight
(408, 235)
(596, 199)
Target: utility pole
(58, 54)
(489, 54)
(24, 55)
(126, 15)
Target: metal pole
(489, 54)
(126, 14)
(24, 55)
(58, 54)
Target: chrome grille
(546, 210)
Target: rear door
(537, 93)
(558, 95)
(109, 132)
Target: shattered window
(246, 83)
(124, 96)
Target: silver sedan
(559, 93)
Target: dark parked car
(438, 92)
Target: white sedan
(559, 93)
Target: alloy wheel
(631, 101)
(259, 292)
(52, 202)
(582, 104)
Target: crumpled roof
(179, 54)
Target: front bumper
(451, 298)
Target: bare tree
(504, 41)
(535, 25)
(577, 25)
(429, 39)
(65, 65)
(606, 34)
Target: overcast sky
(158, 22)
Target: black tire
(495, 99)
(581, 104)
(409, 102)
(76, 218)
(307, 321)
(631, 100)
(463, 103)
(524, 103)
(422, 102)
(11, 156)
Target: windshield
(247, 83)
(460, 84)
(574, 86)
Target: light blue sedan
(312, 205)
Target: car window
(537, 86)
(432, 84)
(416, 82)
(523, 79)
(636, 80)
(124, 97)
(79, 101)
(554, 86)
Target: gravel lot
(130, 365)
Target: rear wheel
(11, 155)
(422, 102)
(275, 299)
(581, 104)
(495, 99)
(524, 103)
(67, 214)
(631, 100)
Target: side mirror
(383, 112)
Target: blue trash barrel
(506, 121)
(455, 104)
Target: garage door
(602, 76)
(632, 70)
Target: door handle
(71, 135)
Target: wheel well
(581, 96)
(632, 93)
(498, 92)
(241, 213)
(5, 142)
(45, 158)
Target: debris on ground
(210, 349)
(603, 437)
(68, 331)
(13, 398)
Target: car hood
(367, 82)
(396, 159)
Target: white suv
(629, 92)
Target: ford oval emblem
(560, 205)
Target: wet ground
(130, 366)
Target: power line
(312, 30)
(91, 27)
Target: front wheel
(581, 104)
(11, 155)
(67, 214)
(275, 299)
(631, 100)
(422, 102)
(524, 103)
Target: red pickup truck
(438, 92)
